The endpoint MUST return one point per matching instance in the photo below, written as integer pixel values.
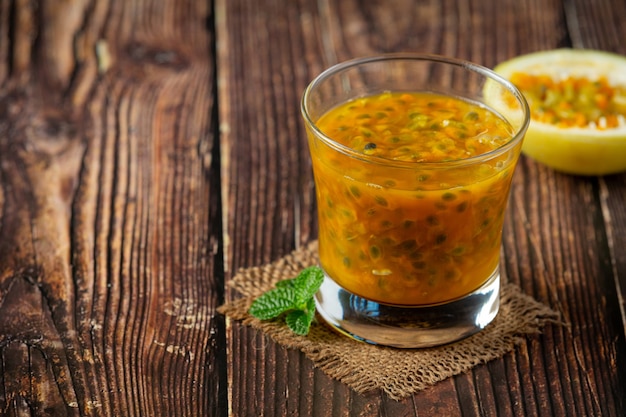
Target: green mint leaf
(287, 283)
(307, 283)
(273, 303)
(310, 309)
(298, 321)
(293, 297)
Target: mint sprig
(293, 298)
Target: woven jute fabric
(397, 372)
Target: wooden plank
(598, 26)
(110, 221)
(588, 30)
(556, 248)
(565, 255)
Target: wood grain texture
(151, 148)
(560, 235)
(110, 221)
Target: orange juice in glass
(413, 157)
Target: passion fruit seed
(440, 238)
(381, 201)
(432, 220)
(459, 250)
(408, 245)
(461, 207)
(472, 116)
(368, 134)
(386, 224)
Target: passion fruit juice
(411, 195)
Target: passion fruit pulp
(578, 108)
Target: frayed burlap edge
(397, 372)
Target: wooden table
(150, 149)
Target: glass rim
(467, 65)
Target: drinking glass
(410, 246)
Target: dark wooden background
(149, 149)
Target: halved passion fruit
(577, 100)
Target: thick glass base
(408, 327)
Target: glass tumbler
(413, 157)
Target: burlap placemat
(398, 372)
